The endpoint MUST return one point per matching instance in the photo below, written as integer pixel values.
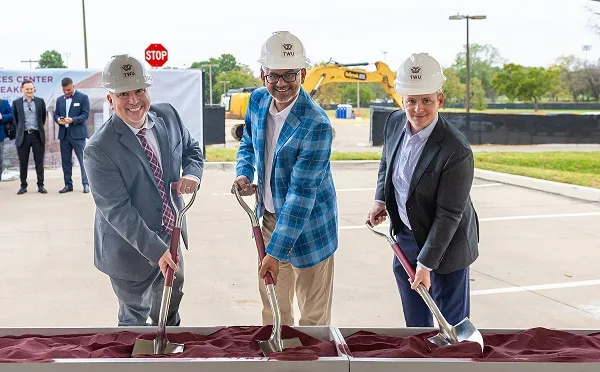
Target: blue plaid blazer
(304, 195)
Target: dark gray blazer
(19, 118)
(439, 208)
(128, 217)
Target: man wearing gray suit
(130, 163)
(424, 181)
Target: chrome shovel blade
(463, 331)
(439, 340)
(151, 347)
(466, 331)
(272, 346)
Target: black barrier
(509, 129)
(378, 118)
(214, 125)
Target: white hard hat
(419, 74)
(123, 73)
(283, 50)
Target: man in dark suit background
(424, 182)
(72, 111)
(29, 113)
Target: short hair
(66, 81)
(26, 82)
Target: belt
(29, 131)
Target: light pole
(225, 85)
(460, 17)
(210, 66)
(67, 56)
(84, 34)
(30, 61)
(357, 98)
(585, 48)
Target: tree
(238, 78)
(51, 59)
(478, 100)
(349, 94)
(220, 69)
(485, 62)
(572, 77)
(454, 90)
(525, 83)
(328, 94)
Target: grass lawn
(578, 168)
(217, 154)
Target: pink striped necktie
(168, 219)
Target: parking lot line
(538, 287)
(505, 218)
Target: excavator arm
(338, 73)
(318, 76)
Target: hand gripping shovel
(161, 345)
(274, 343)
(463, 331)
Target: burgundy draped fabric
(228, 342)
(531, 345)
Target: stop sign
(156, 55)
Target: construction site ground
(538, 263)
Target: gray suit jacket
(19, 118)
(127, 226)
(439, 208)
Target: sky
(527, 32)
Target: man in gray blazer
(29, 114)
(130, 163)
(424, 181)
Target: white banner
(180, 88)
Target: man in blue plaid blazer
(287, 142)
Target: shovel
(275, 343)
(161, 345)
(448, 334)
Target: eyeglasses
(289, 77)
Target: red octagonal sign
(156, 55)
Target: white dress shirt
(150, 137)
(405, 163)
(406, 160)
(275, 121)
(153, 143)
(68, 104)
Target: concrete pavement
(538, 262)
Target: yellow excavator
(236, 101)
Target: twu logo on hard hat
(128, 70)
(287, 50)
(415, 70)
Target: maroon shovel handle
(400, 254)
(260, 245)
(173, 250)
(404, 261)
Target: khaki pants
(313, 287)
